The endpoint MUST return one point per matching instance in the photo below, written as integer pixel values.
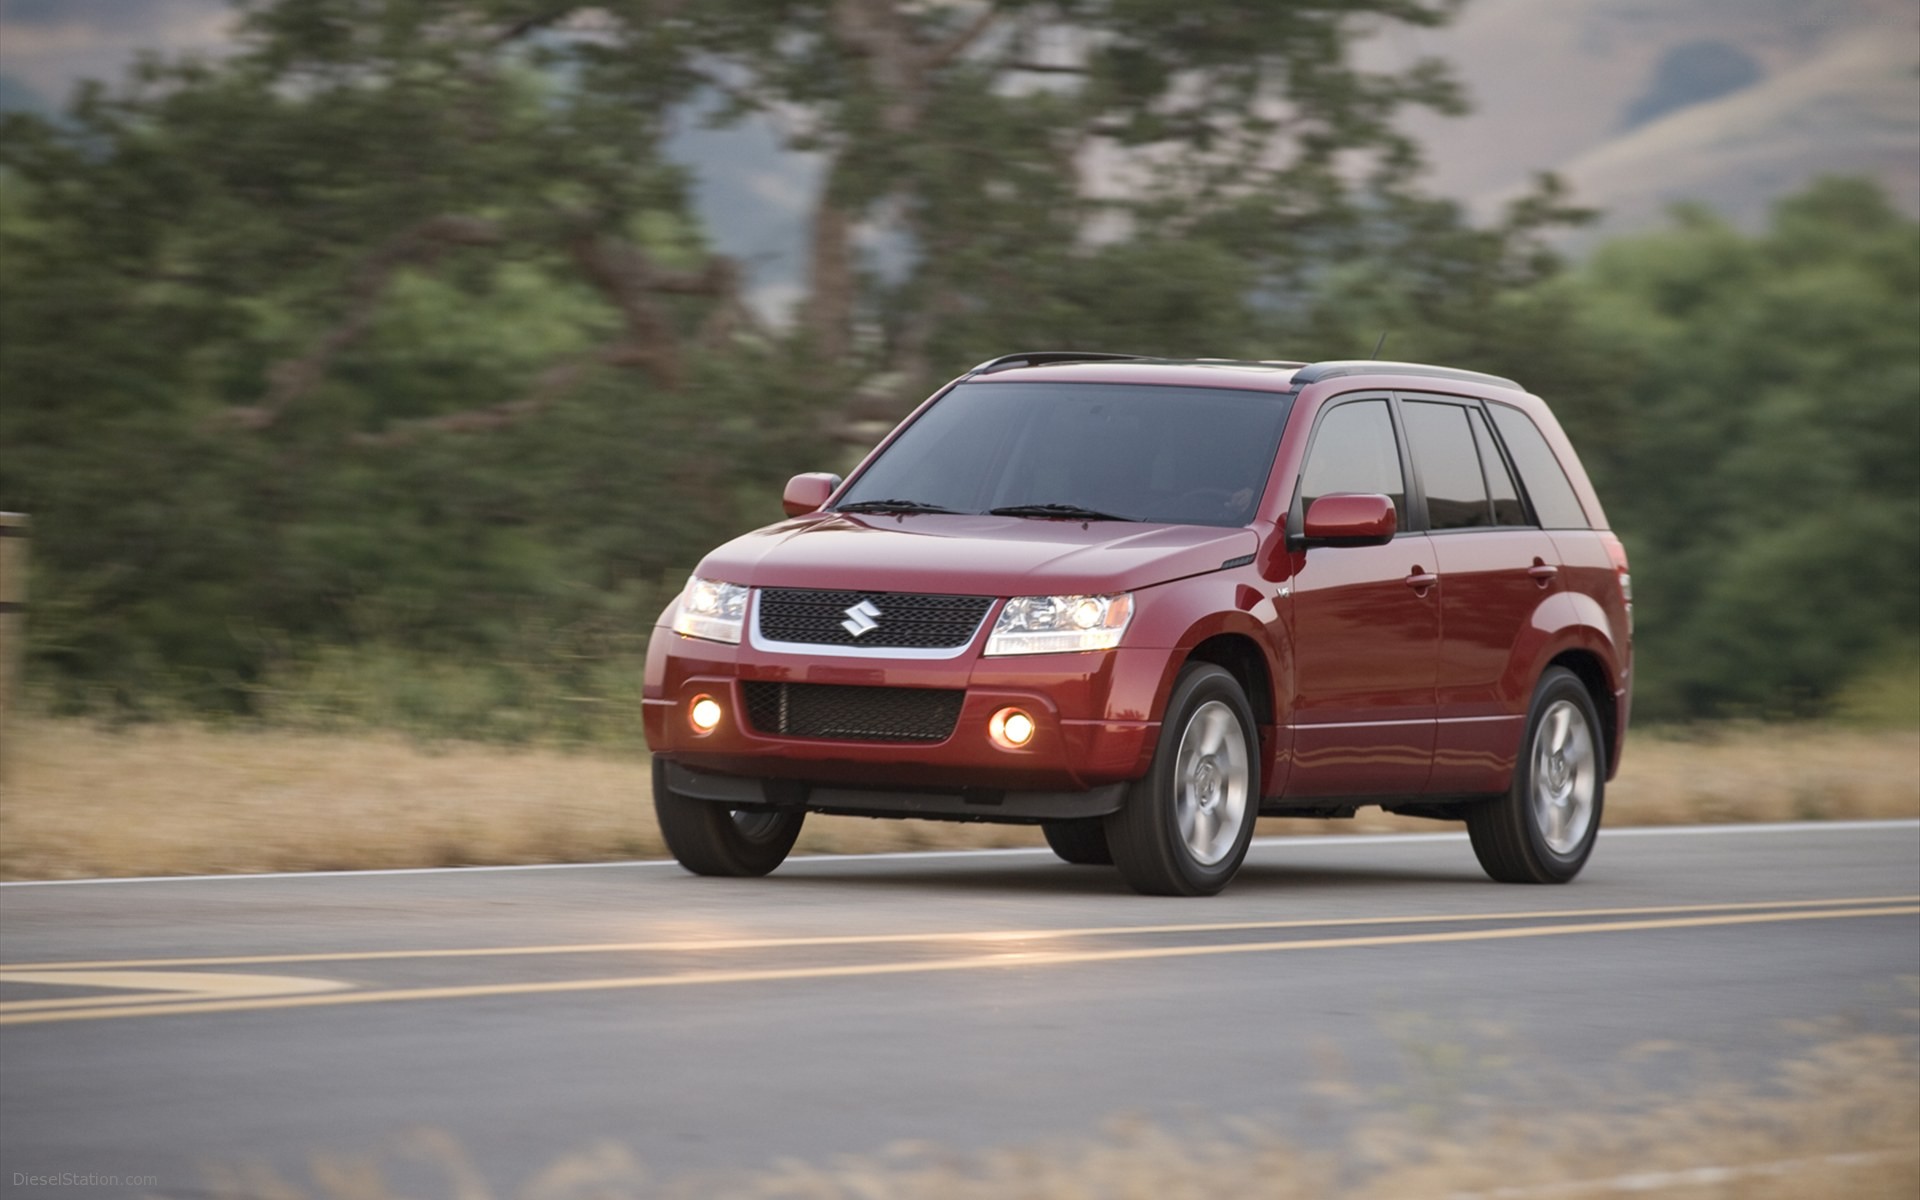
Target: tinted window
(1553, 499)
(1449, 466)
(1178, 455)
(1354, 450)
(1507, 509)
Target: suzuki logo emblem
(861, 619)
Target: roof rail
(1245, 362)
(1035, 358)
(1315, 372)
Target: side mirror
(806, 493)
(1350, 519)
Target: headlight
(712, 610)
(1054, 624)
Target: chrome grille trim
(759, 641)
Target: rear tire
(1184, 829)
(1082, 842)
(712, 839)
(1543, 829)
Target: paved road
(147, 1028)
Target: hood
(972, 555)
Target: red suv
(1140, 602)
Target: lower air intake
(852, 714)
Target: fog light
(704, 714)
(1010, 729)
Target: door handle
(1542, 572)
(1420, 580)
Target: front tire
(712, 839)
(1543, 829)
(1184, 829)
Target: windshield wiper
(890, 506)
(1056, 510)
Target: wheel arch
(1225, 620)
(1571, 630)
(1244, 652)
(1242, 658)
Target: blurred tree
(1749, 408)
(1118, 172)
(392, 327)
(1767, 464)
(391, 337)
(380, 330)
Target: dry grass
(1768, 773)
(1841, 1118)
(80, 800)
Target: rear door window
(1448, 464)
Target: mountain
(1643, 103)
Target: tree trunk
(830, 283)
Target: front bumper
(1091, 711)
(951, 804)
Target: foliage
(380, 370)
(370, 337)
(390, 337)
(1749, 408)
(1023, 155)
(1768, 464)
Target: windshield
(1088, 451)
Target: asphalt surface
(844, 1004)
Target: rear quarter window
(1507, 509)
(1541, 474)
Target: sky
(47, 45)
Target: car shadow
(1038, 877)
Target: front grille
(854, 714)
(906, 621)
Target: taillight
(1618, 553)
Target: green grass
(1887, 697)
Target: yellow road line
(973, 935)
(152, 987)
(984, 962)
